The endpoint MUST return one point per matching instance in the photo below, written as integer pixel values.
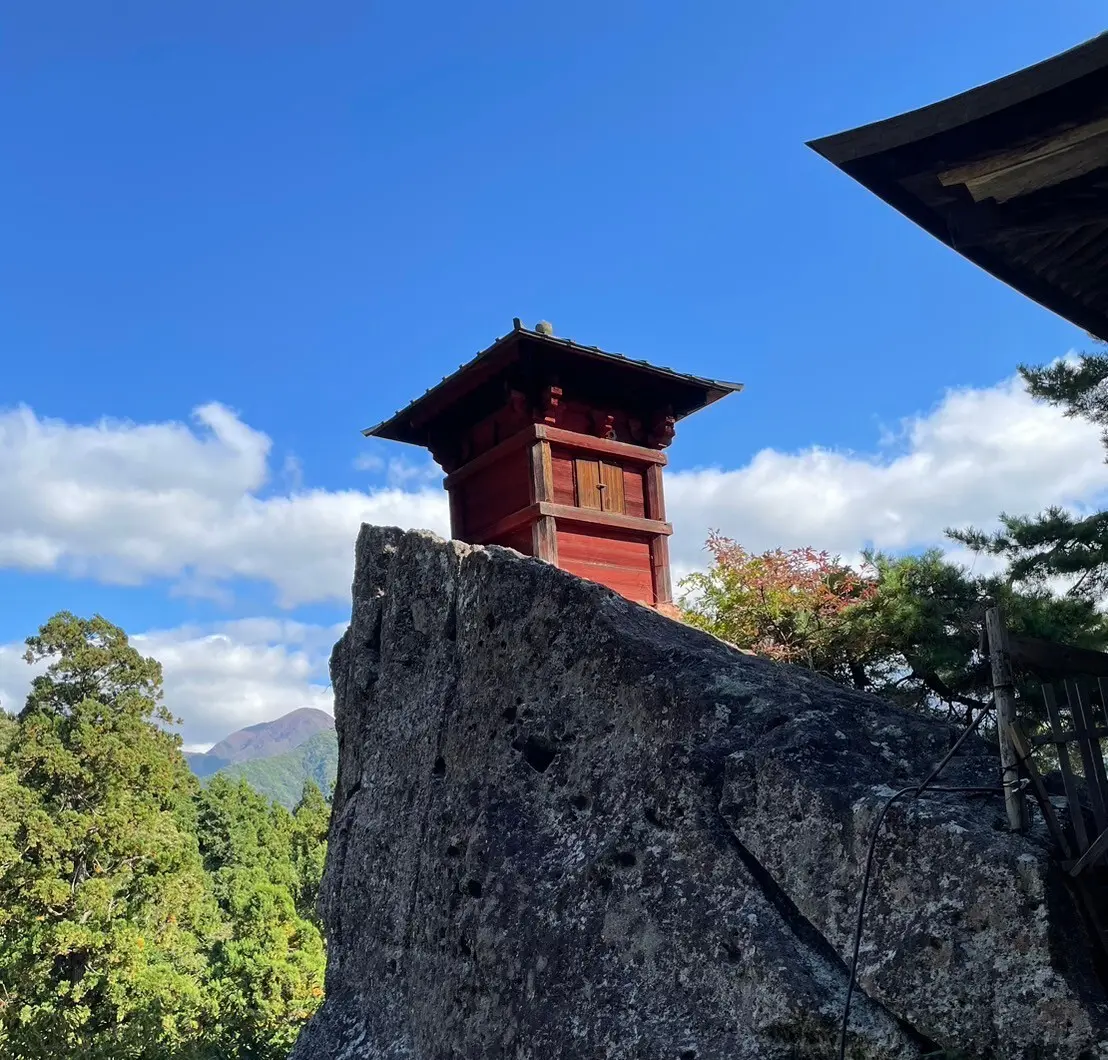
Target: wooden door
(611, 482)
(599, 485)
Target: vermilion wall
(615, 558)
(590, 505)
(494, 492)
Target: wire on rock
(915, 790)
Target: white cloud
(15, 678)
(124, 503)
(293, 472)
(127, 503)
(976, 454)
(220, 678)
(239, 673)
(369, 462)
(398, 471)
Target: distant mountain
(273, 737)
(264, 740)
(281, 777)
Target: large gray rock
(566, 826)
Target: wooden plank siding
(599, 485)
(492, 456)
(580, 502)
(634, 487)
(617, 559)
(542, 473)
(458, 528)
(561, 466)
(659, 560)
(619, 450)
(544, 539)
(519, 539)
(655, 498)
(495, 491)
(586, 475)
(608, 520)
(634, 483)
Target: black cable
(916, 791)
(970, 729)
(861, 915)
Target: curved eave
(1042, 237)
(1024, 85)
(398, 426)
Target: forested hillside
(267, 739)
(141, 915)
(282, 777)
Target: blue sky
(298, 216)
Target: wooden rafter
(1010, 174)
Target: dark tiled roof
(1013, 175)
(714, 388)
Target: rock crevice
(566, 826)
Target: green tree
(8, 727)
(311, 820)
(922, 628)
(142, 917)
(1056, 544)
(105, 911)
(267, 971)
(281, 777)
(239, 828)
(907, 628)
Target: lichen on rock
(566, 826)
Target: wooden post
(659, 546)
(1004, 695)
(544, 539)
(655, 498)
(1023, 750)
(542, 477)
(457, 513)
(1073, 793)
(544, 531)
(659, 561)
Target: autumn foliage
(786, 605)
(906, 627)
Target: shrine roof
(523, 349)
(1013, 175)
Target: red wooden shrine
(555, 449)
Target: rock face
(568, 827)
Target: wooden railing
(1052, 715)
